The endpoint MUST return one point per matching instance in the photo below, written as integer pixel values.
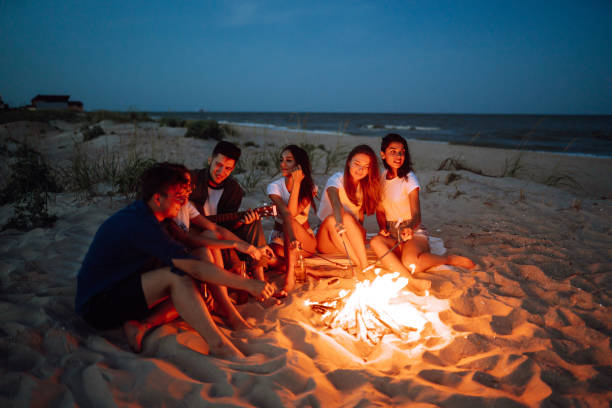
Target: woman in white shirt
(293, 195)
(347, 197)
(399, 215)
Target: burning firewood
(370, 310)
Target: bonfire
(374, 309)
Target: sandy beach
(529, 326)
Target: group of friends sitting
(176, 250)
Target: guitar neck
(226, 217)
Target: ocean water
(569, 134)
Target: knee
(185, 281)
(330, 220)
(328, 223)
(409, 257)
(203, 253)
(348, 219)
(377, 242)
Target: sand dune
(529, 326)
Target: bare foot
(238, 323)
(462, 261)
(289, 285)
(226, 350)
(135, 332)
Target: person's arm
(227, 238)
(293, 205)
(415, 208)
(285, 214)
(337, 208)
(415, 214)
(381, 219)
(208, 272)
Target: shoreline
(399, 131)
(569, 134)
(581, 174)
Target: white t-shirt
(186, 213)
(325, 208)
(395, 196)
(279, 188)
(210, 206)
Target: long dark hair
(307, 186)
(407, 166)
(370, 185)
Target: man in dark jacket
(216, 192)
(135, 275)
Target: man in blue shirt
(133, 266)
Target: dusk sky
(551, 57)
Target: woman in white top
(347, 197)
(293, 195)
(399, 215)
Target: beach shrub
(29, 173)
(31, 211)
(121, 176)
(333, 157)
(68, 115)
(117, 117)
(251, 170)
(172, 122)
(512, 166)
(128, 180)
(205, 129)
(30, 182)
(451, 163)
(90, 133)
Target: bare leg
(290, 257)
(330, 242)
(392, 263)
(306, 238)
(356, 239)
(186, 298)
(258, 273)
(215, 254)
(219, 292)
(136, 330)
(416, 251)
(308, 243)
(227, 308)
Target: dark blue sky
(405, 56)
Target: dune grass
(67, 115)
(29, 187)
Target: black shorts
(122, 302)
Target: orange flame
(375, 309)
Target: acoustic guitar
(264, 211)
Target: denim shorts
(394, 233)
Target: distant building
(50, 101)
(55, 102)
(75, 105)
